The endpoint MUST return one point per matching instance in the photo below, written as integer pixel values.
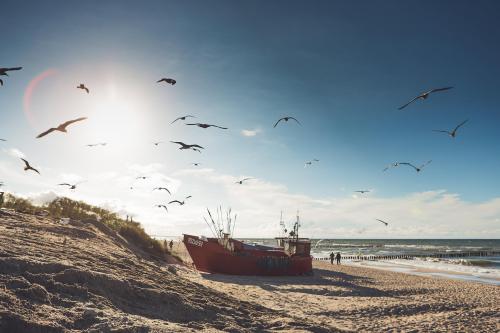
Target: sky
(342, 68)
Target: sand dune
(85, 277)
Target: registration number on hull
(195, 242)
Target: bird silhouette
(183, 118)
(61, 127)
(29, 167)
(3, 71)
(286, 119)
(167, 80)
(418, 169)
(141, 177)
(308, 163)
(162, 189)
(424, 96)
(82, 86)
(3, 140)
(182, 203)
(205, 125)
(71, 186)
(362, 191)
(386, 224)
(195, 164)
(242, 180)
(162, 206)
(157, 143)
(97, 144)
(453, 133)
(186, 146)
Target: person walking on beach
(171, 244)
(332, 257)
(338, 258)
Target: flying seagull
(183, 118)
(162, 206)
(454, 132)
(3, 140)
(141, 177)
(167, 80)
(418, 169)
(157, 143)
(162, 189)
(206, 125)
(61, 128)
(97, 144)
(82, 86)
(186, 146)
(386, 224)
(308, 163)
(29, 167)
(286, 119)
(362, 191)
(71, 186)
(177, 201)
(3, 71)
(424, 96)
(241, 181)
(195, 164)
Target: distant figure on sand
(332, 257)
(1, 198)
(171, 244)
(338, 258)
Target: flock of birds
(63, 127)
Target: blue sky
(341, 68)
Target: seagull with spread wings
(453, 133)
(205, 125)
(424, 96)
(195, 164)
(386, 223)
(162, 189)
(142, 177)
(186, 146)
(3, 140)
(61, 127)
(157, 143)
(183, 118)
(362, 191)
(309, 163)
(82, 86)
(29, 167)
(242, 180)
(167, 80)
(3, 71)
(287, 118)
(418, 169)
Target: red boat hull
(209, 256)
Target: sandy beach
(356, 298)
(83, 277)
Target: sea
(483, 269)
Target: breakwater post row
(420, 255)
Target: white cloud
(250, 133)
(14, 152)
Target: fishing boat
(226, 255)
